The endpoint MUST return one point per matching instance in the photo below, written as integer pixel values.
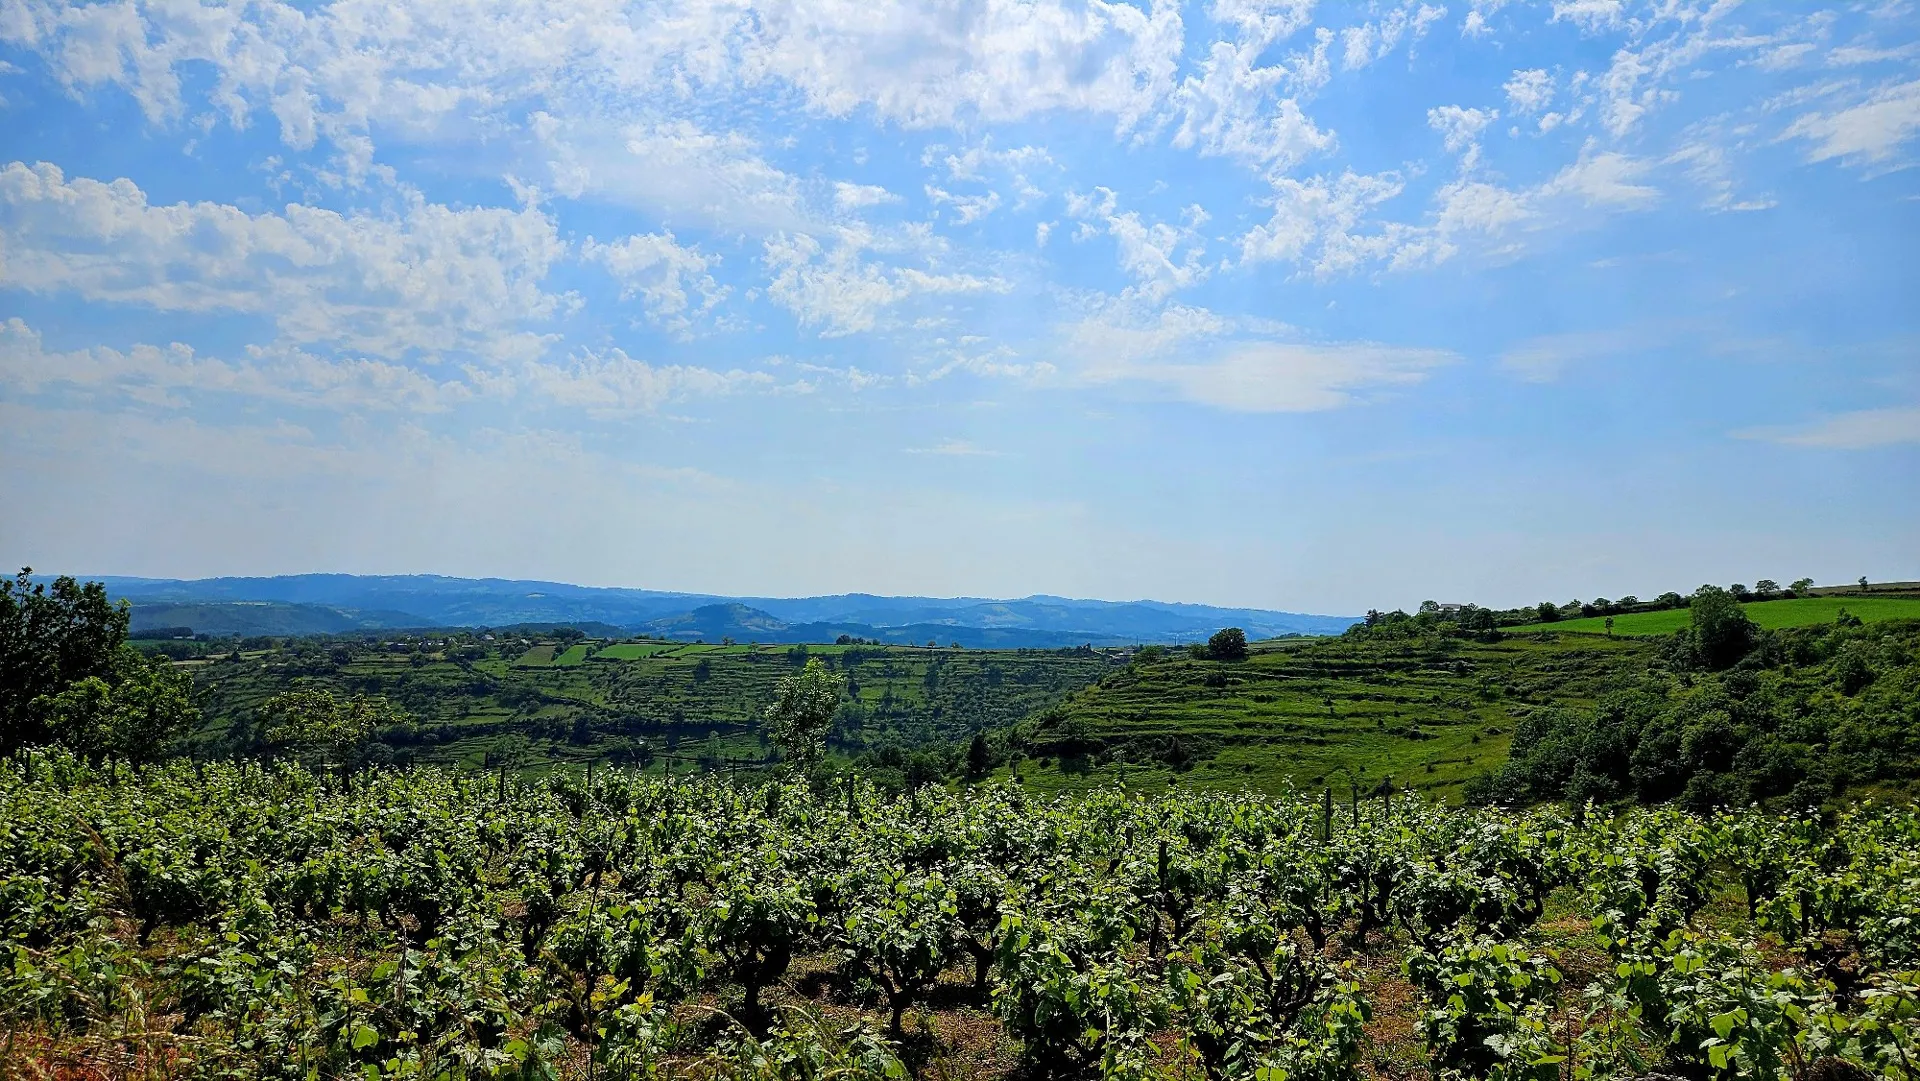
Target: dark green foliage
(466, 695)
(67, 674)
(1229, 644)
(51, 636)
(1802, 715)
(979, 755)
(1721, 633)
(133, 712)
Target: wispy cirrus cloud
(1862, 429)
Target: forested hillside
(1721, 712)
(531, 700)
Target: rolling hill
(320, 603)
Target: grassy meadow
(1773, 615)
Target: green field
(1427, 714)
(634, 651)
(1773, 615)
(539, 656)
(575, 654)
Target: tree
(1766, 587)
(801, 712)
(135, 716)
(1228, 644)
(979, 755)
(324, 730)
(1548, 612)
(1863, 584)
(51, 636)
(1722, 633)
(1803, 586)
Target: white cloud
(1123, 331)
(1604, 178)
(1591, 16)
(613, 384)
(1239, 365)
(1708, 165)
(1529, 91)
(1475, 25)
(1544, 359)
(428, 278)
(1233, 108)
(1371, 41)
(678, 170)
(984, 164)
(966, 208)
(923, 65)
(957, 448)
(175, 376)
(1163, 258)
(860, 196)
(1277, 377)
(1263, 21)
(841, 293)
(659, 270)
(1871, 131)
(1863, 429)
(1315, 220)
(1460, 129)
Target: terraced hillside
(1428, 714)
(579, 701)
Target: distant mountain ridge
(333, 603)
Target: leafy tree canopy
(801, 712)
(68, 675)
(1229, 644)
(323, 729)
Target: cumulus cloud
(1529, 91)
(1591, 16)
(175, 376)
(1234, 105)
(923, 65)
(1376, 40)
(428, 277)
(840, 292)
(1318, 220)
(661, 272)
(1460, 130)
(679, 171)
(860, 196)
(613, 384)
(1160, 256)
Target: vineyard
(256, 919)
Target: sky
(1312, 307)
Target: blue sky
(1317, 307)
